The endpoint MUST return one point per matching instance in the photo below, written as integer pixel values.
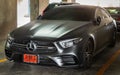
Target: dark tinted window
(53, 5)
(69, 13)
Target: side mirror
(97, 20)
(39, 17)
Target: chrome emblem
(31, 46)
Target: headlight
(70, 42)
(9, 41)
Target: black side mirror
(39, 17)
(97, 20)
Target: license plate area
(30, 58)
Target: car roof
(63, 3)
(82, 6)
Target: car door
(110, 27)
(102, 29)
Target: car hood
(47, 29)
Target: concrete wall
(8, 17)
(69, 1)
(34, 9)
(42, 5)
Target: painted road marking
(102, 70)
(3, 60)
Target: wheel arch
(92, 37)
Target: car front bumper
(61, 60)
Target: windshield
(53, 5)
(71, 13)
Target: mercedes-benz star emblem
(31, 46)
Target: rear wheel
(88, 53)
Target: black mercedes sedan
(65, 36)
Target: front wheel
(88, 53)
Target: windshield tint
(71, 13)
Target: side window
(105, 15)
(99, 13)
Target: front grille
(42, 47)
(43, 43)
(21, 42)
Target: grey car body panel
(54, 31)
(47, 28)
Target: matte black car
(66, 36)
(115, 13)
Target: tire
(88, 54)
(113, 42)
